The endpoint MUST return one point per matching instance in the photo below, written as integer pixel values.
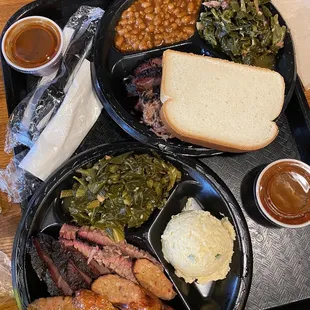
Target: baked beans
(151, 23)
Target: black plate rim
(22, 232)
(125, 121)
(158, 143)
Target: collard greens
(120, 191)
(245, 30)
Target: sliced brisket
(38, 265)
(68, 231)
(75, 279)
(95, 236)
(61, 259)
(94, 269)
(81, 262)
(69, 264)
(120, 264)
(43, 253)
(100, 237)
(74, 267)
(68, 270)
(51, 286)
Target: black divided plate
(46, 213)
(111, 66)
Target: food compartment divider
(209, 198)
(124, 66)
(280, 264)
(121, 68)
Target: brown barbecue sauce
(285, 192)
(32, 44)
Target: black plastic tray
(281, 256)
(111, 67)
(47, 213)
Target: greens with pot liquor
(120, 191)
(245, 30)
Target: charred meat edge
(100, 237)
(96, 269)
(53, 271)
(115, 261)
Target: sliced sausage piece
(118, 290)
(148, 303)
(88, 300)
(52, 303)
(125, 294)
(153, 279)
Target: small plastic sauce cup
(33, 45)
(283, 193)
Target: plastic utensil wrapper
(64, 133)
(56, 116)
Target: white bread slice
(220, 104)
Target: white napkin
(64, 133)
(297, 15)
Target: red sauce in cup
(284, 192)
